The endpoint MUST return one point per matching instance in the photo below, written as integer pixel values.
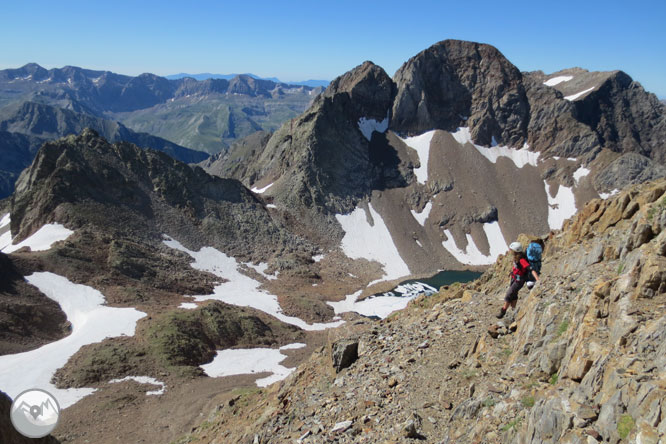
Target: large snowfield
(372, 242)
(41, 240)
(249, 361)
(91, 322)
(240, 290)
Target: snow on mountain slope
(471, 254)
(91, 322)
(520, 157)
(249, 361)
(578, 95)
(421, 144)
(561, 206)
(557, 80)
(423, 215)
(41, 240)
(240, 290)
(368, 126)
(371, 241)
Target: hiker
(521, 270)
(533, 253)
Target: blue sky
(298, 40)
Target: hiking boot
(501, 313)
(530, 285)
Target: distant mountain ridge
(206, 75)
(205, 115)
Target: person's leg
(510, 298)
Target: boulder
(344, 354)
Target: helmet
(516, 246)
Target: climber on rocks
(519, 275)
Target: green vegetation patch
(625, 425)
(511, 425)
(562, 328)
(658, 207)
(528, 402)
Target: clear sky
(299, 40)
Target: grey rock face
(625, 117)
(455, 83)
(630, 168)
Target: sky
(300, 40)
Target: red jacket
(520, 270)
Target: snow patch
(41, 240)
(91, 322)
(240, 289)
(294, 346)
(188, 305)
(144, 380)
(421, 144)
(262, 190)
(382, 305)
(6, 220)
(560, 207)
(368, 126)
(580, 173)
(419, 243)
(577, 95)
(520, 157)
(423, 215)
(318, 257)
(249, 361)
(471, 255)
(261, 269)
(605, 196)
(557, 80)
(271, 206)
(372, 242)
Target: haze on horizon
(301, 40)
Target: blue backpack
(533, 253)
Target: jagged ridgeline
(457, 154)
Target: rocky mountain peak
(369, 89)
(454, 84)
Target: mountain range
(206, 75)
(203, 115)
(282, 237)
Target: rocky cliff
(581, 361)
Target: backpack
(533, 252)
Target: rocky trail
(584, 364)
